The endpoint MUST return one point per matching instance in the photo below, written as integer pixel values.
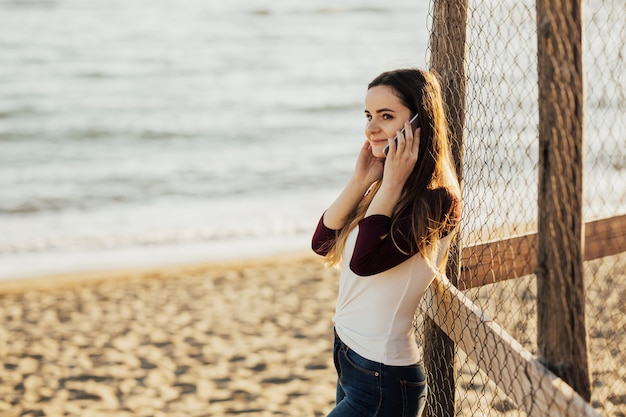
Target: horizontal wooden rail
(526, 381)
(514, 257)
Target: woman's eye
(387, 117)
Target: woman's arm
(323, 238)
(337, 213)
(368, 170)
(336, 216)
(376, 251)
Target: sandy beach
(240, 338)
(247, 339)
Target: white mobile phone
(414, 122)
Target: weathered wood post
(447, 45)
(561, 340)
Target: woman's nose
(372, 126)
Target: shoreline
(29, 265)
(85, 277)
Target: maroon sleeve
(375, 250)
(323, 238)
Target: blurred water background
(146, 133)
(156, 132)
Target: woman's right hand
(368, 167)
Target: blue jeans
(366, 388)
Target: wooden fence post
(561, 329)
(447, 45)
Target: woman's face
(386, 114)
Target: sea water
(157, 132)
(146, 133)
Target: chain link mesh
(500, 192)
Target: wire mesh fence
(500, 192)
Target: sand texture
(251, 338)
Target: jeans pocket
(360, 380)
(361, 364)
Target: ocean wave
(330, 10)
(147, 239)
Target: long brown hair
(433, 181)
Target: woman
(390, 229)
